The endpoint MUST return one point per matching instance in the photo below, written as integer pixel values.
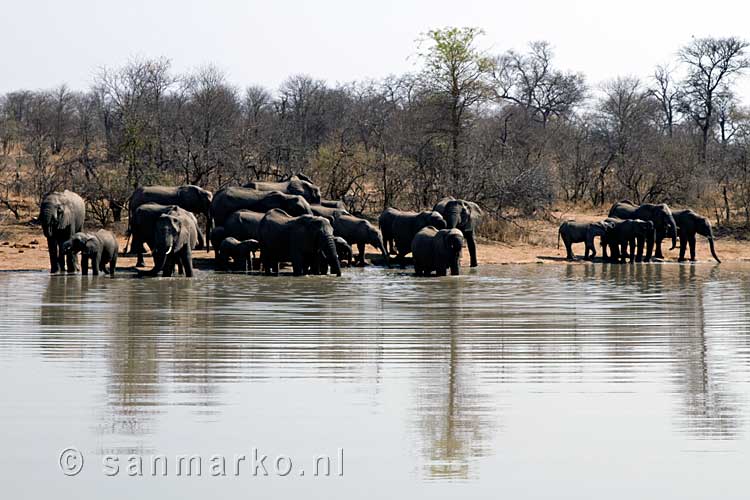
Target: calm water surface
(564, 381)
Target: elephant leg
(84, 264)
(139, 260)
(187, 261)
(61, 257)
(113, 264)
(298, 266)
(691, 242)
(471, 245)
(96, 262)
(52, 250)
(639, 253)
(658, 254)
(361, 256)
(569, 249)
(168, 265)
(683, 247)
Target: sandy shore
(23, 247)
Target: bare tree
(666, 93)
(711, 62)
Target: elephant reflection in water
(155, 331)
(456, 417)
(711, 409)
(669, 308)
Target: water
(537, 381)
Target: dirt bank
(23, 247)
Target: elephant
(689, 223)
(385, 222)
(332, 204)
(61, 215)
(437, 250)
(329, 213)
(298, 240)
(660, 215)
(360, 232)
(621, 234)
(243, 225)
(175, 237)
(464, 216)
(143, 222)
(401, 227)
(231, 199)
(100, 248)
(242, 253)
(581, 232)
(344, 252)
(296, 185)
(188, 197)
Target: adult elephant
(298, 240)
(243, 224)
(231, 199)
(437, 251)
(359, 232)
(143, 223)
(464, 216)
(660, 215)
(385, 222)
(295, 185)
(175, 237)
(689, 224)
(61, 215)
(188, 197)
(403, 226)
(100, 248)
(630, 234)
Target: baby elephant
(581, 232)
(437, 251)
(99, 247)
(242, 253)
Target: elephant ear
(92, 246)
(63, 217)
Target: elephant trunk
(713, 251)
(674, 238)
(331, 255)
(47, 218)
(455, 268)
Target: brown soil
(23, 247)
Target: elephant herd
(629, 227)
(286, 222)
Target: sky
(45, 43)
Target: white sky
(47, 42)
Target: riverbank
(23, 247)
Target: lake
(525, 381)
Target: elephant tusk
(169, 250)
